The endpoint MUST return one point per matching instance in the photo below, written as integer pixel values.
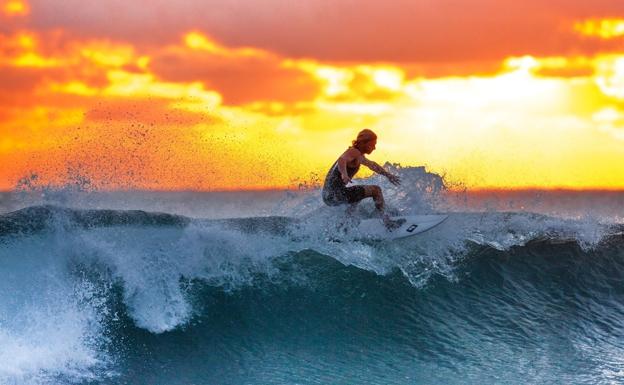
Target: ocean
(267, 287)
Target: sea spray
(91, 295)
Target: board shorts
(343, 196)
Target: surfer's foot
(392, 224)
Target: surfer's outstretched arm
(394, 179)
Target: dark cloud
(20, 80)
(26, 87)
(238, 79)
(18, 86)
(347, 30)
(55, 59)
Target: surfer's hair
(363, 136)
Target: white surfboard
(414, 224)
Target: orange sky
(261, 94)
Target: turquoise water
(259, 288)
(126, 297)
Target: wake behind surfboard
(414, 224)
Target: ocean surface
(137, 287)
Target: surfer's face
(369, 146)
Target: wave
(78, 283)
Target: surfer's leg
(354, 194)
(334, 198)
(375, 192)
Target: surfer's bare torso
(335, 190)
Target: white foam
(51, 320)
(50, 323)
(151, 262)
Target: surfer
(335, 190)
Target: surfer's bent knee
(372, 190)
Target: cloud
(193, 67)
(358, 83)
(14, 8)
(610, 120)
(610, 77)
(240, 75)
(344, 30)
(603, 28)
(32, 65)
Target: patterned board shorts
(343, 196)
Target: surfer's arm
(394, 179)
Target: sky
(227, 95)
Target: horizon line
(286, 189)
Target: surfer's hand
(394, 179)
(346, 179)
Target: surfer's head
(365, 141)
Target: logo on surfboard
(411, 228)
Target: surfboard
(414, 224)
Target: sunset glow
(15, 8)
(605, 28)
(234, 103)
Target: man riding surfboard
(335, 190)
